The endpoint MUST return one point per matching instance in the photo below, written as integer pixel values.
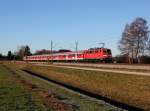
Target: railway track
(86, 93)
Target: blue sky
(37, 22)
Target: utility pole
(76, 49)
(51, 51)
(76, 46)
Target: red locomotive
(93, 54)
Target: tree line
(25, 51)
(20, 53)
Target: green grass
(14, 96)
(130, 89)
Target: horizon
(90, 22)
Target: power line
(102, 43)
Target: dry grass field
(124, 67)
(130, 89)
(20, 91)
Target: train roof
(62, 53)
(97, 48)
(71, 52)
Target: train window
(109, 51)
(71, 55)
(91, 51)
(87, 52)
(95, 51)
(78, 54)
(104, 51)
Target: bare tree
(148, 48)
(134, 39)
(23, 51)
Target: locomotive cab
(107, 56)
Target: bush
(121, 59)
(145, 59)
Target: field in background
(130, 89)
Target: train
(89, 55)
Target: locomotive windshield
(108, 51)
